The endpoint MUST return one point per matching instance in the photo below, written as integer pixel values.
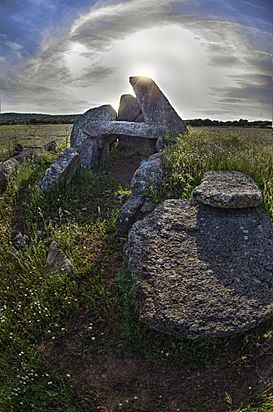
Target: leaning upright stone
(129, 109)
(228, 189)
(98, 114)
(156, 108)
(61, 171)
(7, 171)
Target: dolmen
(204, 269)
(141, 122)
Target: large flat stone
(202, 272)
(228, 189)
(105, 128)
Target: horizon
(185, 119)
(211, 59)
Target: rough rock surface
(133, 129)
(202, 272)
(148, 174)
(56, 260)
(129, 109)
(140, 119)
(228, 189)
(7, 171)
(104, 113)
(90, 152)
(61, 171)
(156, 108)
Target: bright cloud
(207, 66)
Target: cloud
(206, 65)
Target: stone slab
(202, 272)
(228, 189)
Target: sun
(144, 71)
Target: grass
(55, 330)
(30, 135)
(246, 150)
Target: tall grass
(203, 150)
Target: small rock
(27, 153)
(129, 214)
(61, 171)
(123, 197)
(17, 149)
(228, 189)
(56, 260)
(51, 146)
(148, 207)
(19, 241)
(7, 171)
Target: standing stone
(97, 114)
(150, 173)
(91, 152)
(129, 109)
(56, 260)
(7, 171)
(61, 171)
(228, 189)
(156, 108)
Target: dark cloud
(23, 22)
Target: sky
(212, 58)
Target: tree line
(33, 118)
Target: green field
(32, 135)
(73, 342)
